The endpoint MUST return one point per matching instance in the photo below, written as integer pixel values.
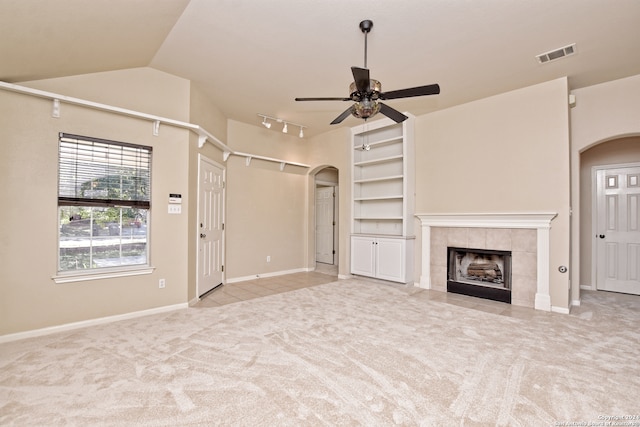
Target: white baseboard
(92, 322)
(344, 276)
(588, 287)
(575, 303)
(273, 274)
(561, 310)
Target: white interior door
(325, 197)
(618, 229)
(210, 225)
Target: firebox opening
(480, 273)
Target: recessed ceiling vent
(556, 54)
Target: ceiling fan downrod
(365, 27)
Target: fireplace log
(487, 270)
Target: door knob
(602, 236)
(202, 235)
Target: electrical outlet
(161, 283)
(268, 258)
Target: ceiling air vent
(556, 54)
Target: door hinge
(223, 225)
(333, 223)
(223, 268)
(334, 251)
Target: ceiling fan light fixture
(365, 92)
(365, 108)
(265, 123)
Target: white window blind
(97, 172)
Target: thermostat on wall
(175, 198)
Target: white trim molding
(92, 322)
(272, 274)
(156, 121)
(540, 221)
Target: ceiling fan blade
(361, 78)
(393, 114)
(414, 91)
(342, 116)
(323, 99)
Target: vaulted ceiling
(256, 56)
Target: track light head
(267, 121)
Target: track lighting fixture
(285, 127)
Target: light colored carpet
(350, 352)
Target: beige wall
(140, 89)
(602, 112)
(331, 149)
(266, 207)
(507, 153)
(29, 298)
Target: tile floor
(250, 289)
(260, 287)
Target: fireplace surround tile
(526, 235)
(457, 236)
(524, 264)
(477, 238)
(523, 291)
(499, 239)
(524, 240)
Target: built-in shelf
(382, 178)
(382, 241)
(368, 199)
(398, 157)
(371, 144)
(379, 218)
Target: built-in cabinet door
(363, 256)
(379, 257)
(390, 259)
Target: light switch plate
(175, 209)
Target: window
(103, 203)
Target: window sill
(84, 276)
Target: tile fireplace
(524, 235)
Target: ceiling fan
(367, 93)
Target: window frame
(135, 198)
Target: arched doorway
(326, 218)
(603, 156)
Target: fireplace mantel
(540, 221)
